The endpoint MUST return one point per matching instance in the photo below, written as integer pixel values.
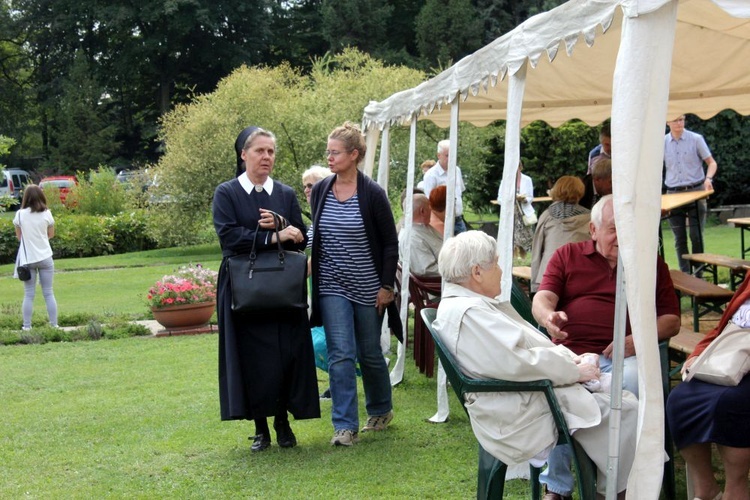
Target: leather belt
(686, 188)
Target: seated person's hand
(629, 348)
(587, 372)
(554, 323)
(521, 197)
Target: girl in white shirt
(34, 227)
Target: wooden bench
(710, 262)
(744, 224)
(704, 296)
(523, 273)
(681, 346)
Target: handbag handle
(253, 254)
(23, 243)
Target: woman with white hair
(490, 340)
(312, 176)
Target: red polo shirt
(583, 280)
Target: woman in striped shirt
(354, 260)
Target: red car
(63, 183)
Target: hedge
(86, 236)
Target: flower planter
(184, 315)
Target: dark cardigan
(380, 229)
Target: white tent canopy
(709, 68)
(634, 48)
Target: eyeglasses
(334, 153)
(309, 185)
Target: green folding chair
(491, 471)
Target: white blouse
(35, 246)
(741, 318)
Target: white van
(12, 182)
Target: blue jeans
(682, 218)
(46, 271)
(558, 476)
(353, 333)
(459, 226)
(629, 372)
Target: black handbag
(268, 280)
(23, 272)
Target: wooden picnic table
(705, 297)
(672, 201)
(744, 224)
(522, 273)
(710, 262)
(537, 199)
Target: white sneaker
(344, 437)
(378, 422)
(26, 328)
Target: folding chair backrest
(521, 303)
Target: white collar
(249, 187)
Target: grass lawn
(140, 418)
(107, 285)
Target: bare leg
(698, 460)
(736, 466)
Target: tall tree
(356, 23)
(447, 30)
(501, 16)
(296, 33)
(144, 54)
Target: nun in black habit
(266, 360)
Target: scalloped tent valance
(709, 70)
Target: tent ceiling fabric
(573, 50)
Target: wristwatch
(387, 288)
(710, 178)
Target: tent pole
(516, 88)
(618, 357)
(397, 374)
(450, 193)
(372, 135)
(384, 163)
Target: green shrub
(100, 194)
(124, 329)
(129, 232)
(32, 337)
(52, 193)
(73, 319)
(8, 241)
(55, 334)
(95, 330)
(301, 109)
(81, 236)
(9, 337)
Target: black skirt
(700, 412)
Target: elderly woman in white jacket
(490, 340)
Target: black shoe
(261, 442)
(284, 435)
(326, 394)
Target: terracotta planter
(184, 315)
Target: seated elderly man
(576, 299)
(490, 340)
(425, 241)
(576, 304)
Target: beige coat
(490, 340)
(551, 234)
